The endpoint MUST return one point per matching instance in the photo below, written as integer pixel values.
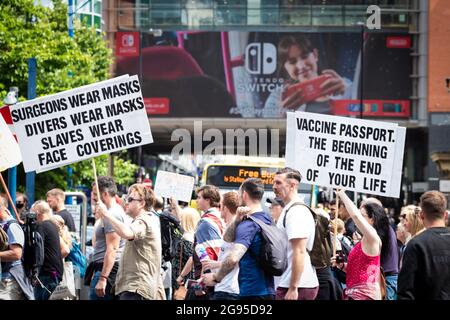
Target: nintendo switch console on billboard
(266, 74)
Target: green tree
(28, 30)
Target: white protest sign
(178, 186)
(82, 123)
(9, 149)
(359, 155)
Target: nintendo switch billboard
(266, 74)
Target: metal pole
(30, 177)
(70, 26)
(70, 13)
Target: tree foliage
(28, 30)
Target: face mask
(20, 205)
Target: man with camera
(14, 285)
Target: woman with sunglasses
(411, 221)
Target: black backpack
(33, 250)
(273, 256)
(321, 251)
(171, 233)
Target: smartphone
(310, 89)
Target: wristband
(104, 277)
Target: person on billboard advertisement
(305, 88)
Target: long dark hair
(381, 225)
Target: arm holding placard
(370, 242)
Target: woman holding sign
(363, 273)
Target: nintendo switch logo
(127, 40)
(261, 58)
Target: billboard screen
(266, 74)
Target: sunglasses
(130, 199)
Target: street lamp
(11, 99)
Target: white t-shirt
(299, 225)
(229, 283)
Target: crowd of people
(216, 254)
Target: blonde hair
(411, 213)
(340, 225)
(57, 193)
(42, 207)
(63, 231)
(189, 219)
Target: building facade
(221, 62)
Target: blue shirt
(15, 236)
(253, 281)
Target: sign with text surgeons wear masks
(358, 155)
(74, 125)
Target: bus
(229, 177)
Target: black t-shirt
(68, 219)
(425, 272)
(52, 249)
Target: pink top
(363, 275)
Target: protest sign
(82, 123)
(178, 186)
(9, 149)
(359, 155)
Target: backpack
(273, 256)
(77, 258)
(171, 233)
(4, 240)
(321, 250)
(33, 249)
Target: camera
(340, 256)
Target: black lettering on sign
(363, 132)
(323, 160)
(45, 126)
(87, 116)
(106, 128)
(311, 175)
(317, 143)
(370, 167)
(122, 89)
(52, 157)
(62, 139)
(110, 143)
(372, 184)
(342, 163)
(84, 98)
(342, 180)
(126, 106)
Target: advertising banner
(267, 74)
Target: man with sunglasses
(138, 277)
(108, 247)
